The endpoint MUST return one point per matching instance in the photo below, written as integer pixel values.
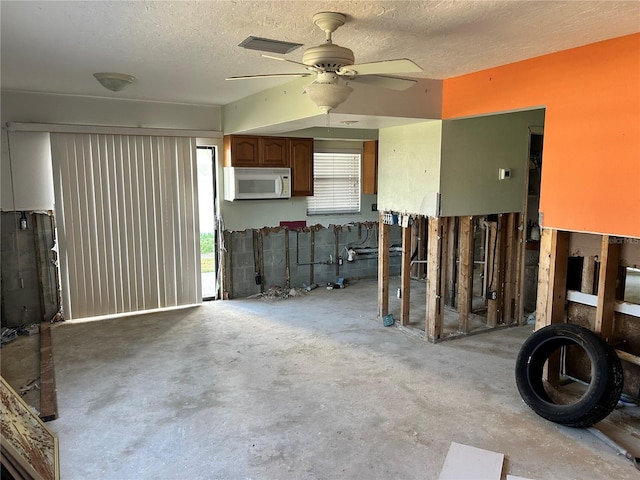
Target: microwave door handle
(278, 185)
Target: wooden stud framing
(552, 291)
(519, 287)
(433, 320)
(465, 272)
(420, 269)
(405, 275)
(444, 259)
(497, 260)
(552, 277)
(450, 256)
(383, 266)
(48, 398)
(510, 267)
(609, 260)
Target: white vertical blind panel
(128, 222)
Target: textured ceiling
(182, 51)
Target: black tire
(605, 387)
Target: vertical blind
(127, 218)
(336, 183)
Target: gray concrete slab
(311, 387)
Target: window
(336, 184)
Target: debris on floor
(387, 320)
(29, 386)
(277, 293)
(32, 329)
(8, 335)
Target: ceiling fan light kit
(328, 96)
(331, 62)
(114, 81)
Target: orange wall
(591, 158)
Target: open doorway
(532, 250)
(208, 221)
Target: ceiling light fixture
(114, 81)
(326, 92)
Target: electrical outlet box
(504, 173)
(374, 207)
(492, 295)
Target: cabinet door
(370, 167)
(244, 151)
(274, 152)
(301, 151)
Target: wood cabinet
(370, 167)
(301, 155)
(249, 151)
(273, 152)
(295, 153)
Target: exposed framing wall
(448, 268)
(596, 306)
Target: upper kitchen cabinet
(301, 154)
(370, 167)
(248, 151)
(273, 152)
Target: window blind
(127, 218)
(336, 184)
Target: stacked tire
(604, 389)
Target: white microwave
(256, 183)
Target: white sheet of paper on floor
(470, 463)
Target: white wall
(28, 168)
(409, 168)
(30, 151)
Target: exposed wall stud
(609, 260)
(465, 272)
(552, 277)
(433, 320)
(405, 275)
(383, 266)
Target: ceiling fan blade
(269, 75)
(392, 83)
(400, 65)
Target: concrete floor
(311, 387)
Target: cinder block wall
(313, 256)
(29, 274)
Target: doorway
(532, 250)
(208, 216)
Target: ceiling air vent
(268, 45)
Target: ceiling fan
(330, 63)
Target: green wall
(473, 150)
